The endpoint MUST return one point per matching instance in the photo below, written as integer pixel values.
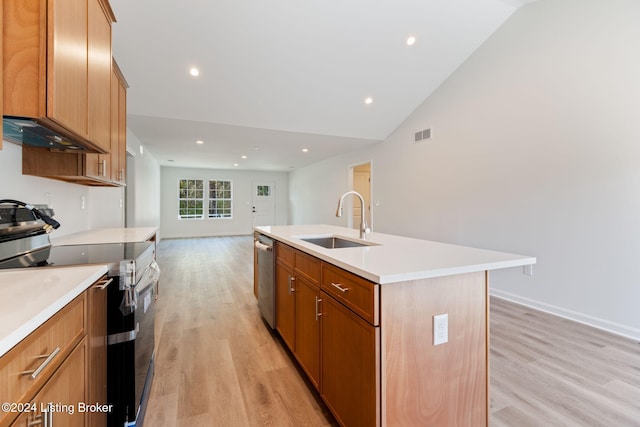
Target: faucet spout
(363, 221)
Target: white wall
(535, 150)
(143, 181)
(101, 205)
(240, 224)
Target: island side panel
(423, 384)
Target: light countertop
(30, 296)
(395, 258)
(106, 235)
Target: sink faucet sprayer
(363, 222)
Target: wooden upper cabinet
(118, 125)
(57, 66)
(100, 18)
(99, 72)
(67, 79)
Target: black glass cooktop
(72, 255)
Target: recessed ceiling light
(255, 147)
(368, 100)
(235, 164)
(244, 157)
(194, 72)
(305, 150)
(200, 142)
(411, 40)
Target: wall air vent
(422, 135)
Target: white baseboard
(614, 328)
(221, 234)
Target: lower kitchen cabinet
(368, 348)
(297, 304)
(97, 350)
(62, 362)
(335, 347)
(350, 365)
(285, 304)
(57, 404)
(307, 329)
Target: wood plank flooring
(550, 371)
(217, 364)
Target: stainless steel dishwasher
(266, 279)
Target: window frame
(188, 199)
(224, 200)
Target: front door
(264, 203)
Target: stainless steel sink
(334, 242)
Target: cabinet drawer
(63, 331)
(285, 254)
(308, 266)
(358, 294)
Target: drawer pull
(102, 285)
(49, 358)
(339, 287)
(37, 420)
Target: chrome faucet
(363, 222)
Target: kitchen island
(392, 332)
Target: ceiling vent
(422, 135)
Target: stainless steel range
(25, 243)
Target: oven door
(144, 345)
(130, 354)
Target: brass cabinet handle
(33, 374)
(291, 288)
(318, 301)
(339, 287)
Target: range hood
(28, 131)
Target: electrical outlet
(527, 270)
(440, 329)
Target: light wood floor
(217, 364)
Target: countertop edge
(511, 260)
(106, 235)
(20, 333)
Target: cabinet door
(97, 343)
(99, 75)
(118, 125)
(350, 380)
(66, 390)
(285, 304)
(99, 82)
(307, 330)
(67, 88)
(122, 130)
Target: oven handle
(123, 336)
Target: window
(264, 190)
(220, 199)
(191, 198)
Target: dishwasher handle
(263, 247)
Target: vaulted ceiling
(279, 76)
